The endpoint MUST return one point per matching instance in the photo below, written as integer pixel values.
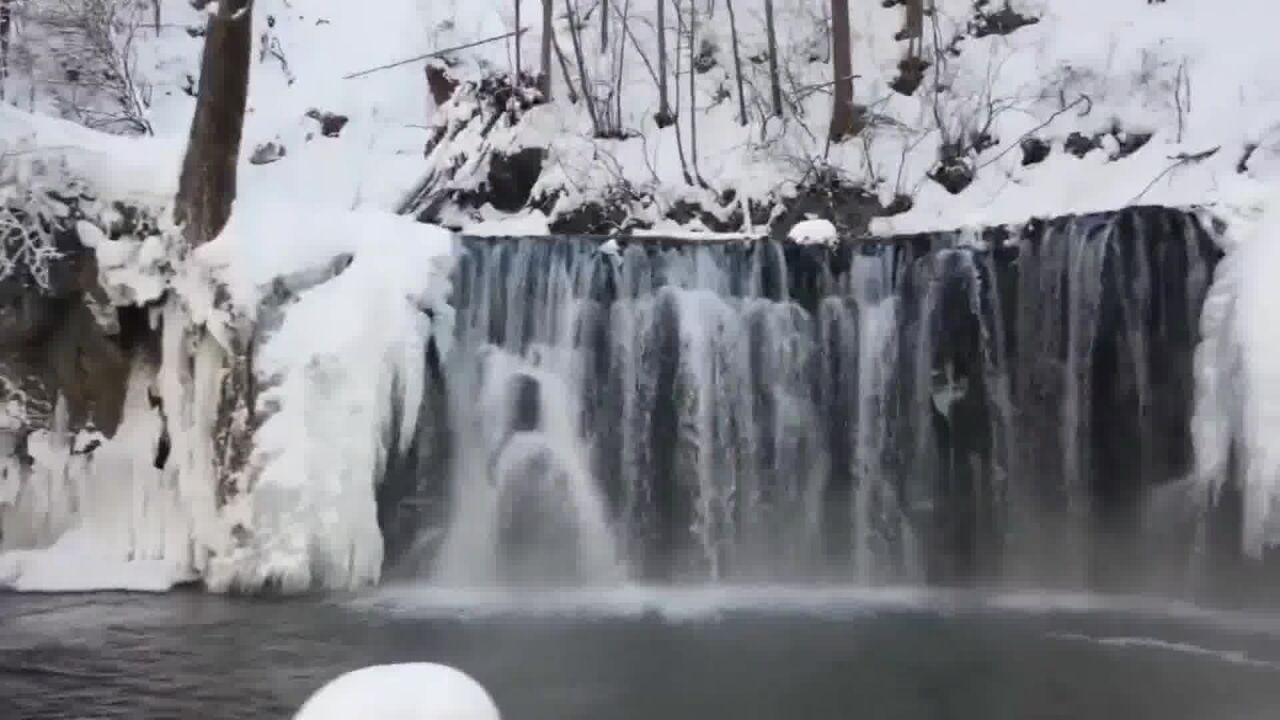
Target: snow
(404, 691)
(77, 563)
(142, 171)
(341, 358)
(1238, 372)
(106, 520)
(1161, 69)
(1166, 69)
(813, 232)
(534, 223)
(339, 297)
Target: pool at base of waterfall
(649, 654)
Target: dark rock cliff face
(944, 407)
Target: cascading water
(948, 407)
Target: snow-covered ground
(1193, 74)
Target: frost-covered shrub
(29, 217)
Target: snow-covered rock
(405, 691)
(813, 232)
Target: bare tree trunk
(6, 23)
(914, 29)
(842, 109)
(519, 61)
(684, 164)
(737, 63)
(665, 117)
(207, 185)
(693, 96)
(564, 70)
(548, 34)
(621, 62)
(583, 79)
(775, 80)
(604, 25)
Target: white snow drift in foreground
(405, 691)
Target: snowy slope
(1193, 74)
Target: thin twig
(1038, 128)
(1178, 161)
(435, 54)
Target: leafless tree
(844, 120)
(665, 117)
(207, 186)
(604, 25)
(584, 80)
(519, 61)
(684, 163)
(775, 81)
(6, 25)
(914, 28)
(737, 64)
(548, 36)
(693, 96)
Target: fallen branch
(436, 53)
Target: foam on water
(1235, 657)
(709, 602)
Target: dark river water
(649, 655)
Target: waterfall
(949, 407)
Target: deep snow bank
(1238, 372)
(343, 305)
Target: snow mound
(94, 513)
(813, 232)
(343, 305)
(79, 562)
(405, 691)
(1238, 373)
(59, 154)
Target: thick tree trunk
(548, 35)
(604, 25)
(775, 80)
(519, 60)
(914, 28)
(737, 63)
(665, 116)
(843, 115)
(207, 186)
(6, 24)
